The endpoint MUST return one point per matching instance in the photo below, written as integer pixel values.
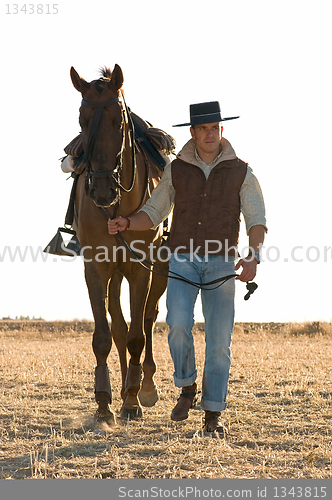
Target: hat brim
(191, 124)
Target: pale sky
(267, 61)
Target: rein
(251, 287)
(94, 131)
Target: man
(208, 186)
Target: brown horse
(117, 178)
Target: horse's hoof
(131, 413)
(105, 416)
(148, 398)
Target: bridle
(115, 174)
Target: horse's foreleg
(119, 326)
(148, 394)
(139, 285)
(97, 284)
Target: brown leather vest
(206, 209)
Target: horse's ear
(117, 77)
(79, 83)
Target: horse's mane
(105, 72)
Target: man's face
(207, 137)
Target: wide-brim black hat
(205, 112)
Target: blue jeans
(218, 311)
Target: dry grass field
(279, 412)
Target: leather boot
(213, 424)
(186, 401)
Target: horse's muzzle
(105, 199)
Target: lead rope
(251, 287)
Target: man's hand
(249, 265)
(117, 224)
(137, 222)
(249, 268)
